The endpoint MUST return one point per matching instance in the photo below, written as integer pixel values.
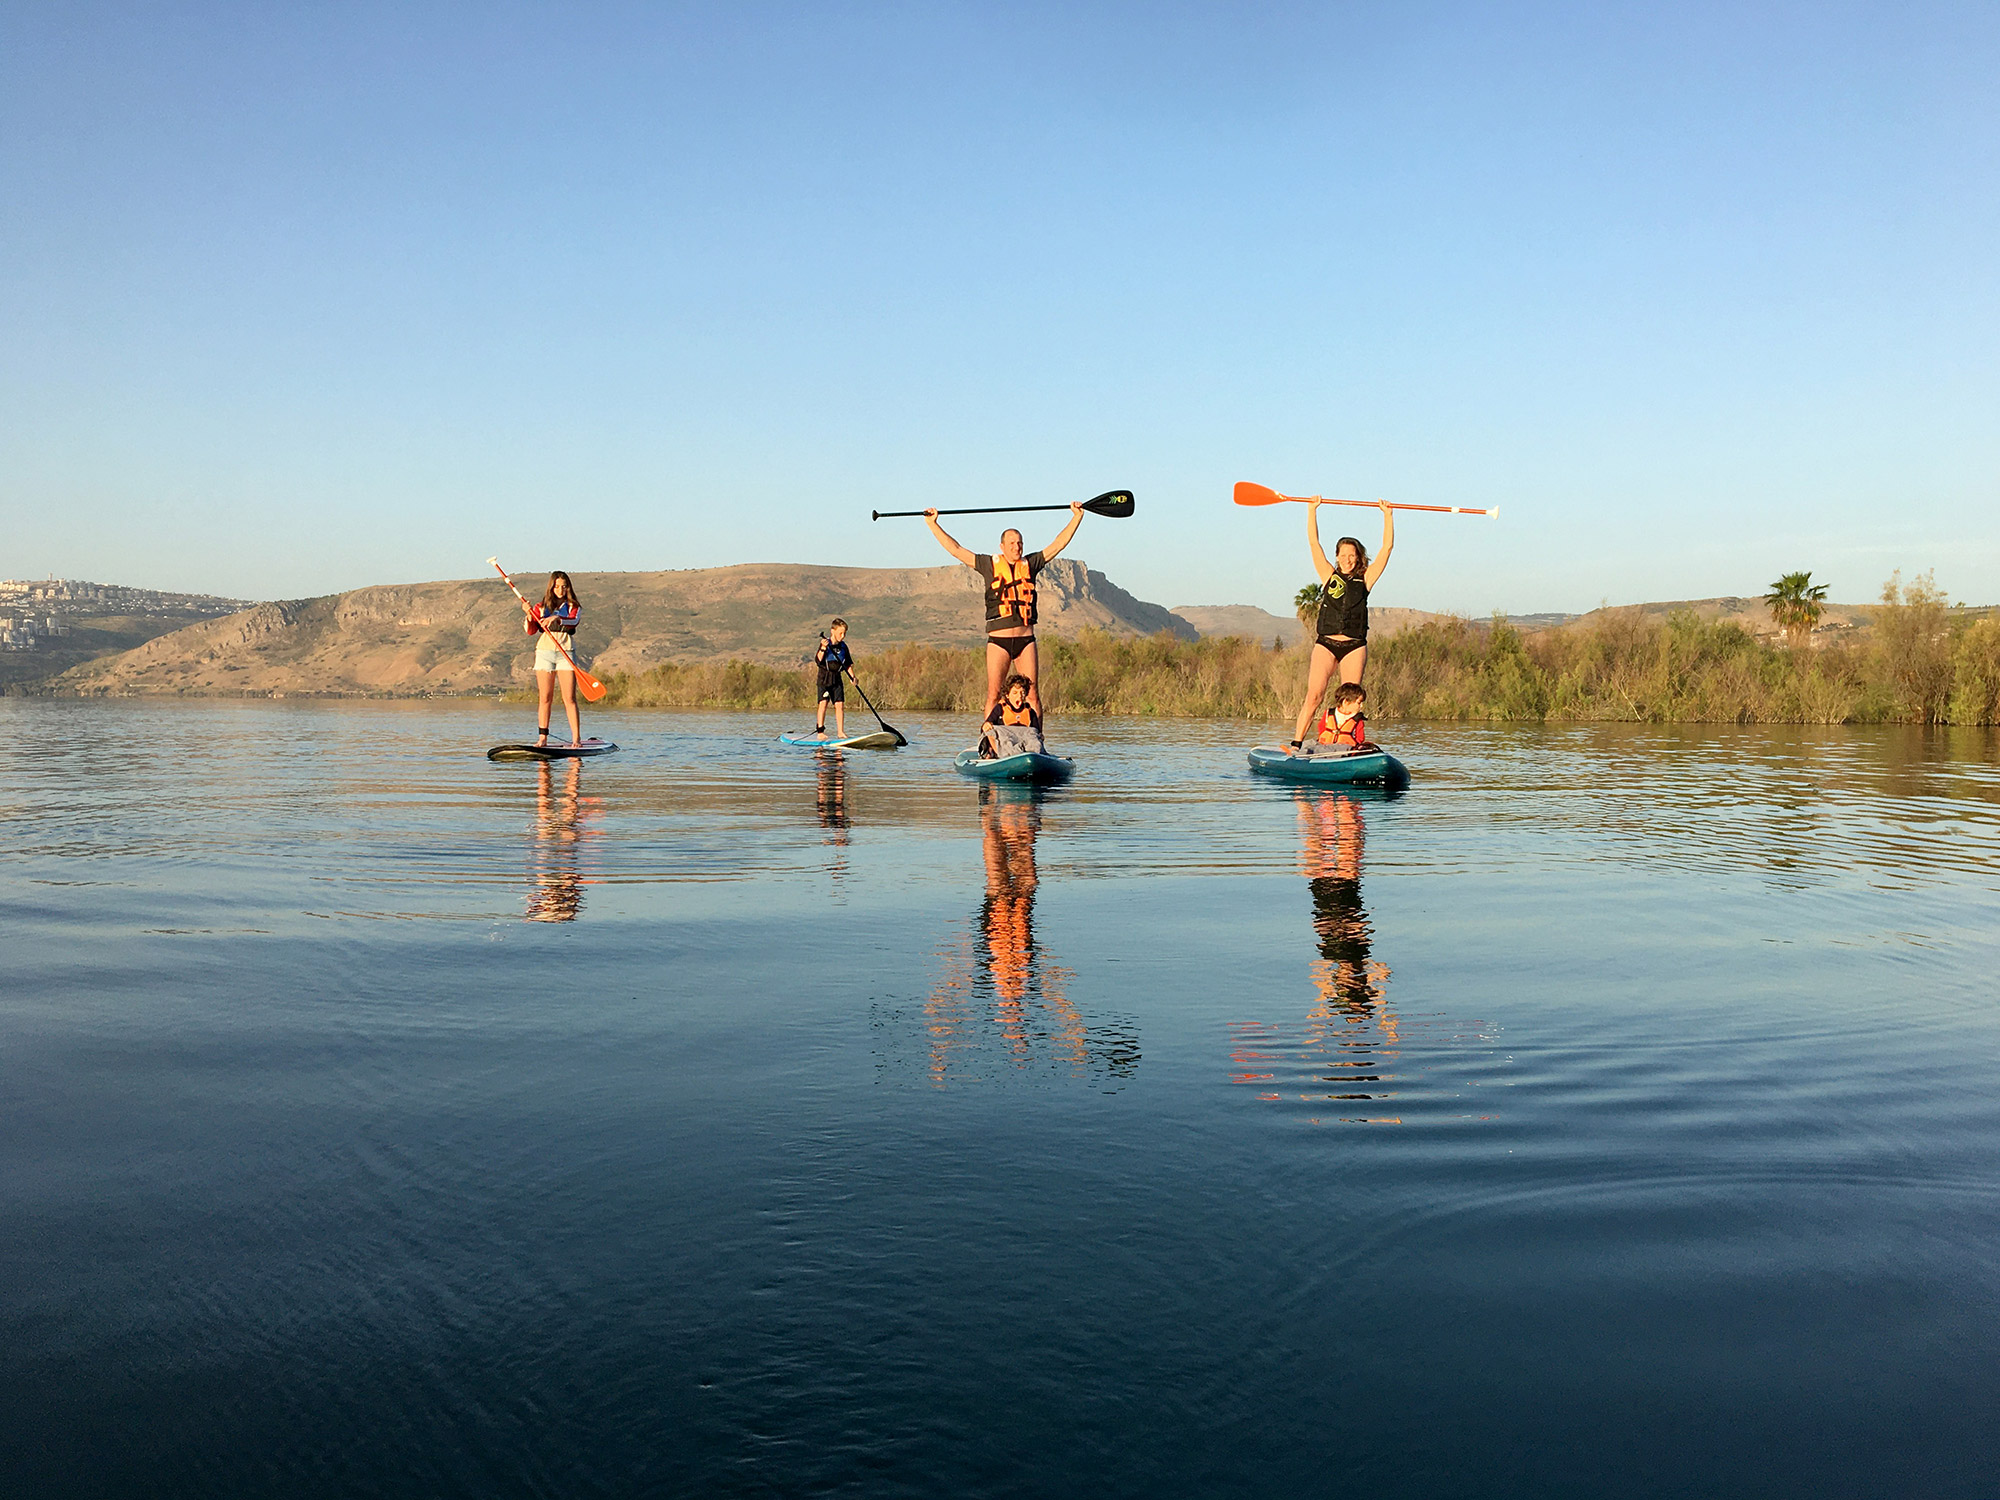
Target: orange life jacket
(1013, 590)
(1354, 735)
(1023, 716)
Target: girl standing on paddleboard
(553, 625)
(1010, 602)
(1340, 635)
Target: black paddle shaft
(886, 725)
(1117, 504)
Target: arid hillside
(466, 636)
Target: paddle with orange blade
(1257, 494)
(591, 688)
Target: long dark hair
(1359, 551)
(549, 601)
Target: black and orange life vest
(1012, 592)
(1024, 716)
(1355, 735)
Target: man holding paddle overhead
(1009, 576)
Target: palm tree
(1795, 602)
(1305, 604)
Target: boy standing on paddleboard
(834, 659)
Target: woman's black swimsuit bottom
(1338, 648)
(1013, 645)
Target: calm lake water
(1618, 1111)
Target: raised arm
(1381, 559)
(1062, 538)
(1322, 569)
(945, 540)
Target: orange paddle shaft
(592, 688)
(1256, 494)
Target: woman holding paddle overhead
(553, 625)
(1340, 635)
(1009, 576)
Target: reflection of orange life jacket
(1013, 591)
(1354, 735)
(1024, 716)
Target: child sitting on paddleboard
(1014, 726)
(834, 660)
(1343, 727)
(553, 625)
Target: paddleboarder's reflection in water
(1334, 838)
(555, 878)
(1350, 1034)
(1002, 996)
(830, 793)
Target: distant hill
(466, 637)
(1245, 620)
(48, 625)
(1837, 621)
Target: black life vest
(1343, 607)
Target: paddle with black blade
(887, 727)
(1117, 504)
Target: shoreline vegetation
(1921, 662)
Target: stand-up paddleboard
(554, 750)
(1332, 768)
(1029, 765)
(880, 739)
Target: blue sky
(295, 298)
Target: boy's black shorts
(830, 690)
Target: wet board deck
(879, 739)
(1043, 770)
(1366, 768)
(553, 750)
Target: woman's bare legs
(569, 706)
(1324, 670)
(1316, 681)
(545, 688)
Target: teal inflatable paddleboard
(880, 739)
(1332, 768)
(553, 750)
(1042, 770)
